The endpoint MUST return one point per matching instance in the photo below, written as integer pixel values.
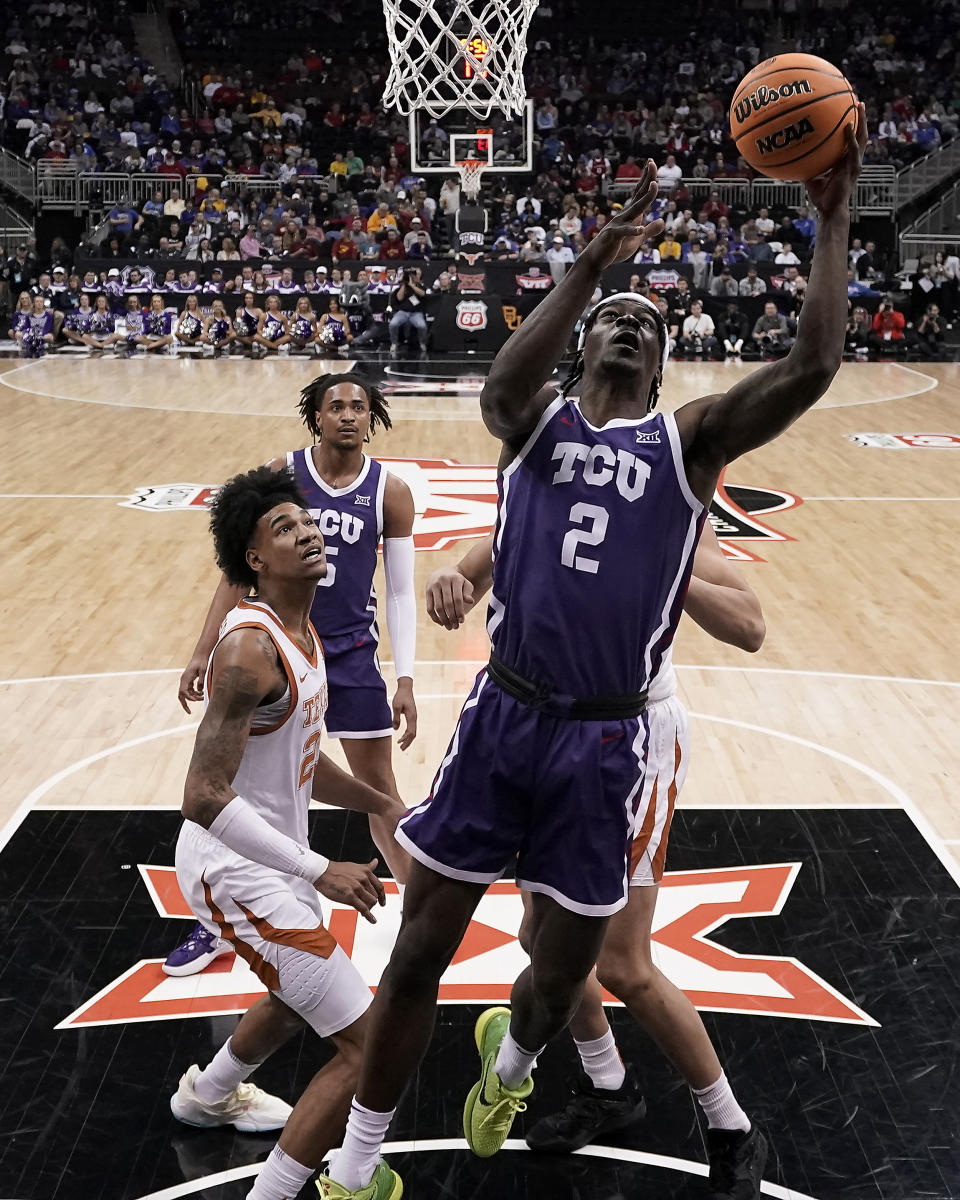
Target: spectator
(752, 284)
(888, 334)
(724, 285)
(669, 175)
(930, 336)
(771, 334)
(859, 327)
(406, 304)
(786, 257)
(670, 248)
(733, 329)
(421, 247)
(559, 256)
(698, 334)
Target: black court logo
(734, 512)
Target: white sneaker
(248, 1108)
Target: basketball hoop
(470, 171)
(465, 56)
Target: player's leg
(436, 913)
(219, 1094)
(371, 761)
(737, 1149)
(358, 713)
(563, 948)
(317, 1122)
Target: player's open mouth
(626, 337)
(312, 553)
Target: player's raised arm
(246, 672)
(513, 397)
(453, 591)
(717, 429)
(720, 600)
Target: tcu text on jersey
(600, 465)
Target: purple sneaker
(198, 951)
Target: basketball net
(457, 54)
(470, 171)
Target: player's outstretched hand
(622, 236)
(191, 682)
(832, 190)
(404, 706)
(449, 597)
(354, 884)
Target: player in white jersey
(243, 860)
(608, 1095)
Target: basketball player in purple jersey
(356, 503)
(601, 506)
(607, 1096)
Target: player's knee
(419, 958)
(558, 988)
(629, 979)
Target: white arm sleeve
(247, 833)
(401, 603)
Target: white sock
(602, 1062)
(513, 1063)
(281, 1178)
(225, 1071)
(720, 1106)
(357, 1159)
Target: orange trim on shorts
(318, 941)
(642, 840)
(660, 857)
(264, 971)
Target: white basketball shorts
(668, 754)
(275, 923)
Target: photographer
(930, 333)
(771, 334)
(858, 331)
(888, 330)
(406, 304)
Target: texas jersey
(351, 522)
(276, 770)
(595, 537)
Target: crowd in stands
(347, 204)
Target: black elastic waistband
(573, 708)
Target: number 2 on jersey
(575, 538)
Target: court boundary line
(931, 385)
(665, 1162)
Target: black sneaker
(737, 1160)
(589, 1112)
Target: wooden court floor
(853, 700)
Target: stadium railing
(926, 173)
(18, 175)
(936, 229)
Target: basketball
(790, 114)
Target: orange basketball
(789, 116)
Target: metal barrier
(17, 175)
(778, 193)
(926, 173)
(936, 229)
(60, 186)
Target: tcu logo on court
(758, 100)
(600, 465)
(784, 137)
(332, 523)
(471, 315)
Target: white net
(448, 54)
(470, 171)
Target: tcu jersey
(595, 537)
(276, 771)
(351, 522)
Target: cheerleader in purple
(189, 328)
(246, 322)
(302, 329)
(272, 334)
(37, 338)
(76, 324)
(333, 329)
(157, 328)
(20, 317)
(103, 326)
(217, 331)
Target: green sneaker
(490, 1108)
(385, 1185)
